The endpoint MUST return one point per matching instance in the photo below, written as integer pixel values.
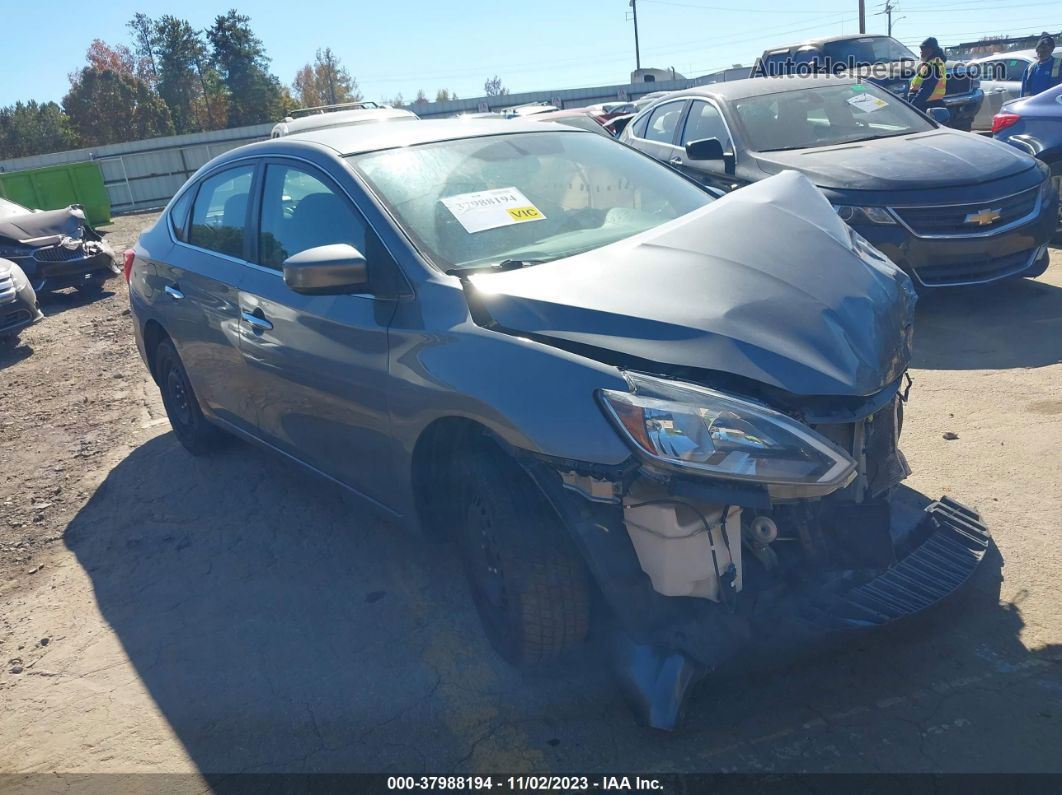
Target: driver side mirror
(336, 269)
(705, 149)
(939, 115)
(711, 149)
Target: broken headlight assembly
(700, 430)
(851, 214)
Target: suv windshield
(867, 50)
(824, 116)
(530, 197)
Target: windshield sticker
(490, 209)
(867, 103)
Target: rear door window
(663, 122)
(219, 215)
(179, 215)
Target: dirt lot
(160, 613)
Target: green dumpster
(55, 187)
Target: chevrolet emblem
(982, 217)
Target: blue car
(1034, 125)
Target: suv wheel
(182, 407)
(528, 582)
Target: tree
(442, 95)
(106, 107)
(31, 129)
(143, 29)
(326, 82)
(102, 56)
(254, 95)
(304, 86)
(421, 98)
(494, 88)
(183, 80)
(334, 82)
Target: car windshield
(524, 197)
(8, 209)
(824, 116)
(867, 50)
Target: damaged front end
(57, 249)
(765, 349)
(696, 568)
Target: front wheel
(528, 581)
(10, 342)
(182, 407)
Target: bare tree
(494, 88)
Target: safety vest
(924, 71)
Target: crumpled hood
(940, 158)
(40, 228)
(762, 283)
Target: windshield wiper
(496, 267)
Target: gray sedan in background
(571, 361)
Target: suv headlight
(864, 215)
(699, 429)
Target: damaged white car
(55, 248)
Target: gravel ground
(160, 613)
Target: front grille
(985, 270)
(7, 288)
(58, 254)
(14, 318)
(952, 220)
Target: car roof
(1027, 54)
(372, 137)
(827, 40)
(756, 86)
(340, 117)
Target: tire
(182, 407)
(528, 582)
(9, 342)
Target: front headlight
(699, 429)
(864, 215)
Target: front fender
(533, 396)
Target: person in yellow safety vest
(930, 82)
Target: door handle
(257, 322)
(675, 161)
(173, 292)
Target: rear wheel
(182, 407)
(528, 581)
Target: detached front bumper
(665, 644)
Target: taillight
(1002, 121)
(127, 265)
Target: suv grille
(961, 219)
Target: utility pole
(637, 52)
(889, 8)
(862, 16)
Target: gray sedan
(574, 363)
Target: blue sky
(408, 45)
